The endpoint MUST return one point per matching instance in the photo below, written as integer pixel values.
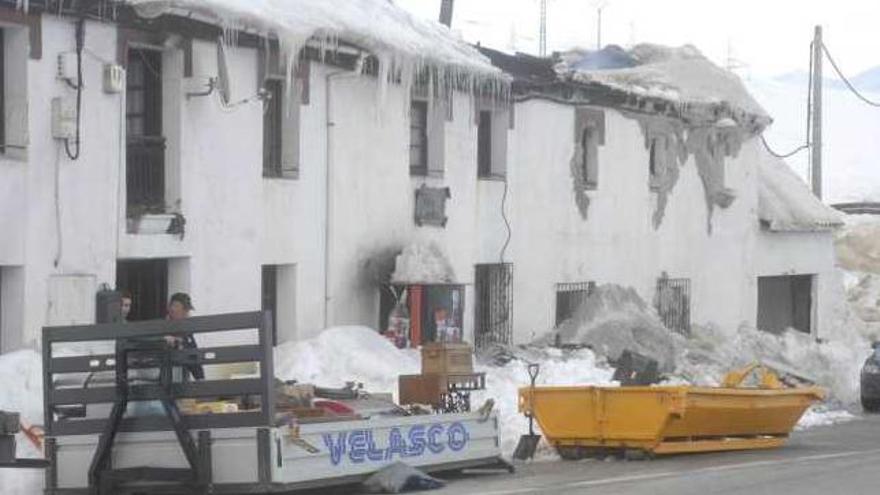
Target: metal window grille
(569, 297)
(145, 150)
(494, 305)
(272, 129)
(418, 137)
(673, 302)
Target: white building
(302, 205)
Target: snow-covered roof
(679, 75)
(786, 204)
(397, 38)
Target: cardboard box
(447, 358)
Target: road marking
(669, 474)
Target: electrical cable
(846, 81)
(80, 38)
(506, 221)
(807, 144)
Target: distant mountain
(868, 80)
(799, 77)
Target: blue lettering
(337, 449)
(417, 441)
(373, 453)
(396, 444)
(434, 444)
(357, 446)
(458, 436)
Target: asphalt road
(842, 459)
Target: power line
(846, 81)
(786, 155)
(807, 145)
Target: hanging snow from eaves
(402, 43)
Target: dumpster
(582, 421)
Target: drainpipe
(328, 177)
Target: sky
(762, 37)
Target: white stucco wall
(236, 220)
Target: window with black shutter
(418, 137)
(484, 144)
(272, 128)
(269, 296)
(2, 94)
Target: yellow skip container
(582, 420)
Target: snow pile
(22, 392)
(422, 263)
(679, 75)
(822, 416)
(344, 354)
(786, 204)
(613, 319)
(399, 40)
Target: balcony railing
(145, 175)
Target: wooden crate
(447, 358)
(421, 389)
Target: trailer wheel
(571, 452)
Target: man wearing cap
(179, 307)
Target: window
(785, 302)
(589, 134)
(673, 303)
(280, 132)
(484, 144)
(12, 304)
(494, 304)
(145, 144)
(147, 280)
(492, 127)
(570, 297)
(655, 162)
(418, 137)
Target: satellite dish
(222, 82)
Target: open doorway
(147, 280)
(785, 302)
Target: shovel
(525, 449)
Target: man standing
(179, 307)
(125, 304)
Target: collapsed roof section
(677, 82)
(785, 203)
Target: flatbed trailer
(101, 448)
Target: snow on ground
(822, 416)
(22, 392)
(422, 262)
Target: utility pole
(816, 151)
(446, 12)
(599, 27)
(542, 35)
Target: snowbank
(679, 75)
(785, 203)
(22, 392)
(422, 263)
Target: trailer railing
(67, 373)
